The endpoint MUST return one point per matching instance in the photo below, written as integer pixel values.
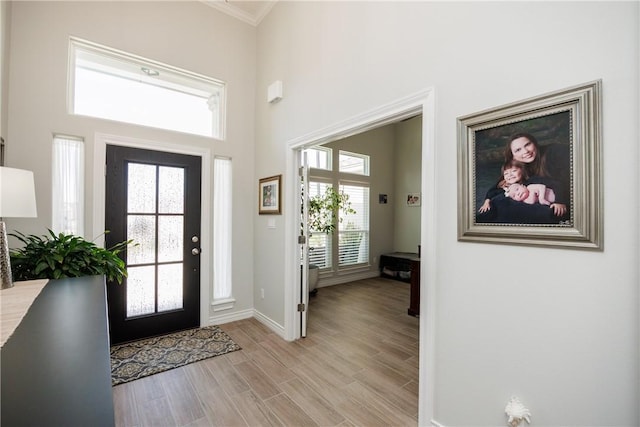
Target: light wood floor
(358, 366)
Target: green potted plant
(65, 255)
(323, 210)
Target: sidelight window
(222, 227)
(67, 183)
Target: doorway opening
(421, 103)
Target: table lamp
(17, 200)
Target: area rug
(138, 359)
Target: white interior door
(303, 240)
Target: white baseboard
(230, 317)
(338, 280)
(274, 326)
(247, 314)
(434, 423)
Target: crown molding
(252, 17)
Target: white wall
(564, 338)
(187, 35)
(5, 27)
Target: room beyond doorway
(386, 222)
(421, 102)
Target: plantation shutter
(353, 233)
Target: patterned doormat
(138, 359)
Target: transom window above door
(115, 85)
(354, 163)
(319, 157)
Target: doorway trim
(101, 140)
(422, 102)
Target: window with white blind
(116, 85)
(222, 222)
(319, 242)
(348, 245)
(67, 185)
(353, 229)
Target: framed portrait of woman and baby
(530, 172)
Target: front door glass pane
(142, 230)
(171, 194)
(170, 287)
(170, 238)
(141, 197)
(140, 291)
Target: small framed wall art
(269, 195)
(413, 199)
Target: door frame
(422, 102)
(101, 140)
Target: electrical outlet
(375, 260)
(262, 293)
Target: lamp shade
(17, 193)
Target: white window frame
(328, 152)
(365, 159)
(149, 72)
(336, 179)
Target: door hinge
(302, 240)
(301, 307)
(301, 171)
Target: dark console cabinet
(55, 367)
(404, 266)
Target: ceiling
(251, 12)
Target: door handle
(195, 251)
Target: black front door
(153, 198)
